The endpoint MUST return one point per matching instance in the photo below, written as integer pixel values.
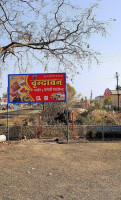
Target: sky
(103, 76)
(96, 78)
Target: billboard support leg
(67, 122)
(8, 122)
(73, 124)
(39, 125)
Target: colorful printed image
(58, 96)
(15, 86)
(19, 89)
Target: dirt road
(49, 171)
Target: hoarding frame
(34, 74)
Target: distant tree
(4, 95)
(107, 100)
(118, 88)
(70, 94)
(71, 90)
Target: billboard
(32, 88)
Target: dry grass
(17, 117)
(50, 171)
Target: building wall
(114, 99)
(99, 98)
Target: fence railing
(17, 132)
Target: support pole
(103, 133)
(73, 124)
(117, 88)
(103, 128)
(8, 121)
(67, 121)
(39, 125)
(118, 102)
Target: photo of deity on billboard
(28, 88)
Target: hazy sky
(100, 77)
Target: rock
(2, 138)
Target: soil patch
(36, 170)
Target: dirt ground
(33, 170)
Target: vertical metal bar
(73, 124)
(8, 122)
(103, 133)
(67, 134)
(118, 101)
(67, 121)
(103, 128)
(117, 88)
(8, 117)
(43, 106)
(39, 125)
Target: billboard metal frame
(43, 101)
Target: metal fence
(17, 132)
(27, 123)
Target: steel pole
(8, 121)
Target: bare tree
(53, 112)
(49, 31)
